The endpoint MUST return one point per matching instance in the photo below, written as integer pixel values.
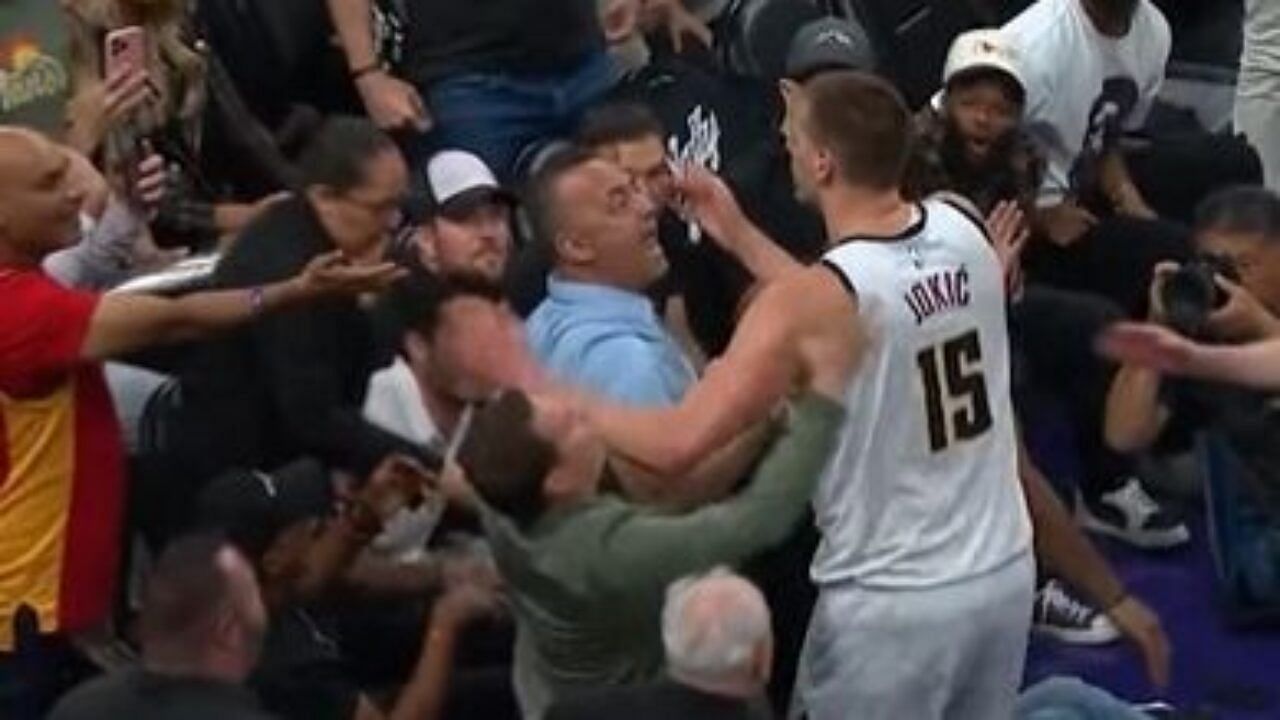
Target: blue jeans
(498, 116)
(1070, 699)
(1244, 538)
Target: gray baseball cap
(829, 44)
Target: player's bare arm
(800, 332)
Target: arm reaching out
(124, 323)
(801, 330)
(1256, 365)
(711, 204)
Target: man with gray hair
(719, 648)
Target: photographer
(1237, 233)
(1229, 295)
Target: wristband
(257, 300)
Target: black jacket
(290, 383)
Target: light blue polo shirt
(609, 341)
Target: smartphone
(125, 49)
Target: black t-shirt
(140, 695)
(301, 675)
(448, 37)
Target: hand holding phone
(125, 71)
(124, 51)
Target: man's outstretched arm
(801, 329)
(125, 323)
(1256, 365)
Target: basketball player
(925, 570)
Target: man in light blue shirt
(597, 328)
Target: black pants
(1115, 259)
(1052, 333)
(39, 670)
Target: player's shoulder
(818, 289)
(957, 211)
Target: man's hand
(619, 20)
(453, 484)
(149, 188)
(707, 200)
(1009, 234)
(678, 21)
(398, 482)
(1142, 627)
(463, 604)
(392, 103)
(1066, 223)
(1243, 318)
(332, 274)
(1147, 345)
(1160, 275)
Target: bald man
(61, 469)
(719, 647)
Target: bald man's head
(39, 205)
(717, 633)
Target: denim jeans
(498, 116)
(1244, 538)
(1070, 699)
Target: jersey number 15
(955, 391)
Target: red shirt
(61, 460)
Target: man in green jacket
(588, 572)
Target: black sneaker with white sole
(1059, 614)
(1131, 515)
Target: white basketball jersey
(923, 489)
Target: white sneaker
(1131, 515)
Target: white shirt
(1085, 88)
(923, 489)
(394, 403)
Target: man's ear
(824, 170)
(556, 484)
(573, 249)
(428, 253)
(417, 348)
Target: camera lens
(1189, 296)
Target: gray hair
(712, 626)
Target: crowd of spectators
(526, 358)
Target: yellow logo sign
(28, 75)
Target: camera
(1191, 294)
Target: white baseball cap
(984, 50)
(458, 182)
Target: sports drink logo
(28, 75)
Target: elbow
(677, 459)
(683, 455)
